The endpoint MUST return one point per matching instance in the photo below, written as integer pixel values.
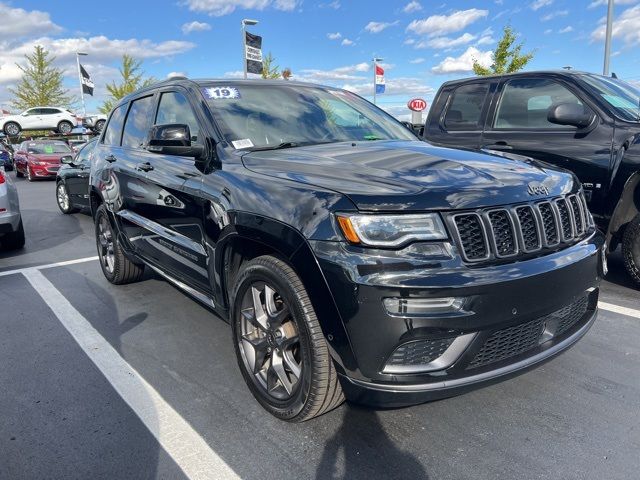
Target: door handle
(144, 167)
(499, 146)
(110, 159)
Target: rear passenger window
(137, 125)
(114, 127)
(175, 108)
(465, 108)
(525, 103)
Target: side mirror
(173, 139)
(24, 114)
(67, 160)
(569, 114)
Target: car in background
(95, 123)
(76, 143)
(40, 158)
(39, 118)
(6, 158)
(72, 180)
(11, 229)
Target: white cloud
(335, 5)
(566, 29)
(347, 43)
(446, 42)
(394, 86)
(464, 63)
(602, 3)
(176, 74)
(437, 25)
(552, 15)
(195, 27)
(538, 4)
(411, 7)
(548, 31)
(346, 73)
(17, 22)
(377, 27)
(218, 8)
(409, 41)
(626, 27)
(334, 36)
(417, 60)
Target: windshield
(292, 115)
(623, 97)
(47, 148)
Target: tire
(11, 129)
(631, 248)
(117, 268)
(63, 200)
(65, 127)
(14, 240)
(30, 177)
(99, 126)
(19, 174)
(299, 348)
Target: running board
(201, 297)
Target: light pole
(607, 39)
(375, 63)
(84, 108)
(245, 22)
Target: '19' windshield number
(219, 93)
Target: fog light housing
(423, 306)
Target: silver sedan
(11, 229)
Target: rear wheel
(117, 268)
(279, 344)
(62, 198)
(65, 127)
(631, 248)
(14, 240)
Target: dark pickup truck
(586, 123)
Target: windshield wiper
(275, 147)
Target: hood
(412, 175)
(49, 158)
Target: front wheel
(30, 176)
(63, 200)
(65, 127)
(99, 126)
(117, 268)
(279, 344)
(631, 248)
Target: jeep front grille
(522, 229)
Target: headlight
(391, 230)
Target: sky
(423, 42)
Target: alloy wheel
(269, 341)
(105, 244)
(63, 197)
(65, 127)
(12, 129)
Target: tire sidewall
(11, 134)
(99, 126)
(631, 248)
(64, 122)
(68, 210)
(256, 272)
(102, 211)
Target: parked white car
(94, 122)
(39, 118)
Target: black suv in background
(586, 123)
(349, 257)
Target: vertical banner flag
(253, 53)
(379, 79)
(87, 83)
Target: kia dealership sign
(417, 104)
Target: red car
(40, 158)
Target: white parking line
(187, 448)
(48, 265)
(630, 312)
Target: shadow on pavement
(361, 448)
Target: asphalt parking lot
(140, 381)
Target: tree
(507, 57)
(132, 79)
(269, 67)
(286, 73)
(41, 83)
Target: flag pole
(374, 80)
(84, 108)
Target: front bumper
(520, 299)
(44, 171)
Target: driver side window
(175, 108)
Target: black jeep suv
(350, 258)
(586, 123)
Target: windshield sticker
(244, 143)
(48, 149)
(221, 93)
